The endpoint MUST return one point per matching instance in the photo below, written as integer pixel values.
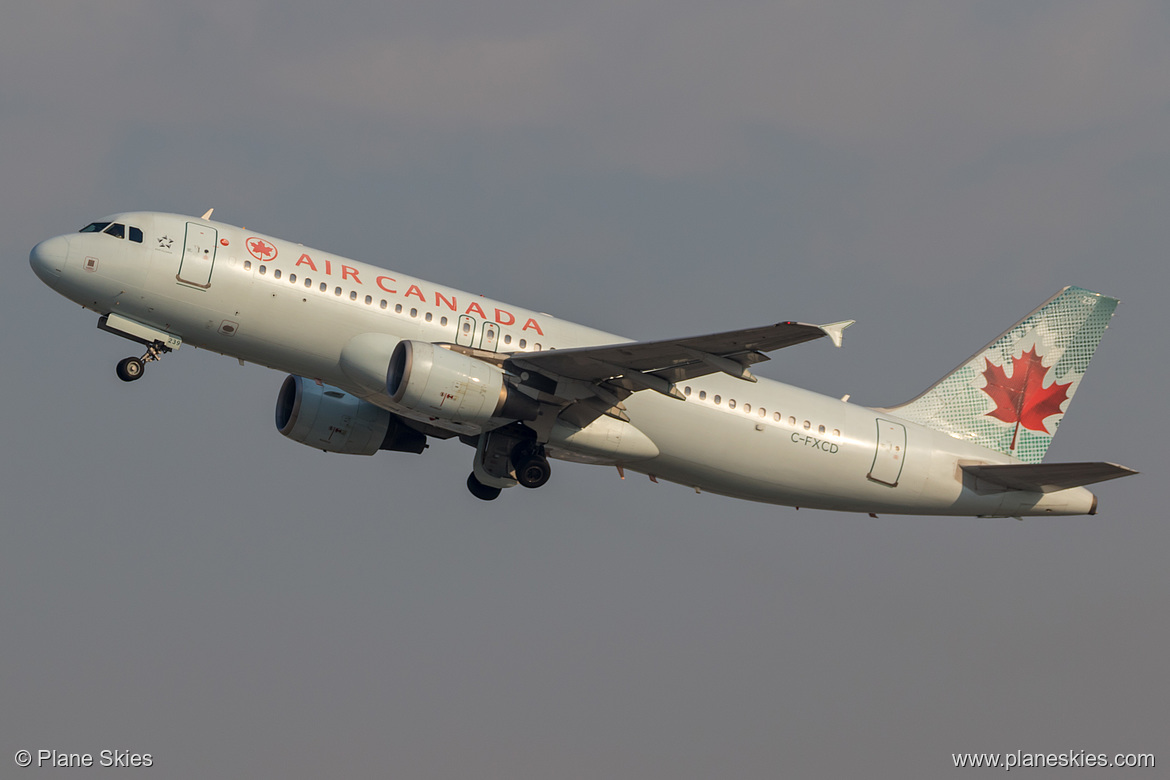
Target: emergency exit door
(465, 335)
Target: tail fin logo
(1022, 398)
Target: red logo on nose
(261, 249)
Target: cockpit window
(94, 227)
(135, 235)
(117, 230)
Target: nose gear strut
(132, 368)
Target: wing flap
(1047, 477)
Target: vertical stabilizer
(1011, 395)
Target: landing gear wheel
(481, 491)
(533, 471)
(130, 368)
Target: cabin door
(891, 453)
(198, 256)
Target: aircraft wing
(673, 360)
(610, 373)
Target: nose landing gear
(132, 368)
(157, 343)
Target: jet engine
(330, 419)
(452, 386)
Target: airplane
(382, 360)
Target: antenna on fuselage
(208, 214)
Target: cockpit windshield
(115, 229)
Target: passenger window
(508, 339)
(777, 417)
(308, 283)
(398, 308)
(687, 390)
(369, 299)
(384, 304)
(136, 235)
(414, 312)
(763, 412)
(442, 320)
(820, 429)
(292, 278)
(117, 230)
(353, 295)
(716, 400)
(702, 395)
(324, 287)
(807, 425)
(467, 327)
(337, 291)
(276, 274)
(837, 432)
(523, 343)
(263, 270)
(536, 347)
(731, 403)
(247, 265)
(747, 408)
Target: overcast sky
(178, 579)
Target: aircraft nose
(48, 258)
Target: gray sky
(180, 580)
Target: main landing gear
(532, 468)
(506, 457)
(132, 368)
(481, 491)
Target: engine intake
(453, 386)
(324, 417)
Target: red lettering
(306, 260)
(440, 298)
(417, 293)
(379, 281)
(500, 314)
(475, 307)
(347, 272)
(328, 268)
(531, 322)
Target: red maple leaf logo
(1022, 398)
(261, 249)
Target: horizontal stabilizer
(1047, 477)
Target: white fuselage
(291, 308)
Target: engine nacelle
(452, 386)
(330, 419)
